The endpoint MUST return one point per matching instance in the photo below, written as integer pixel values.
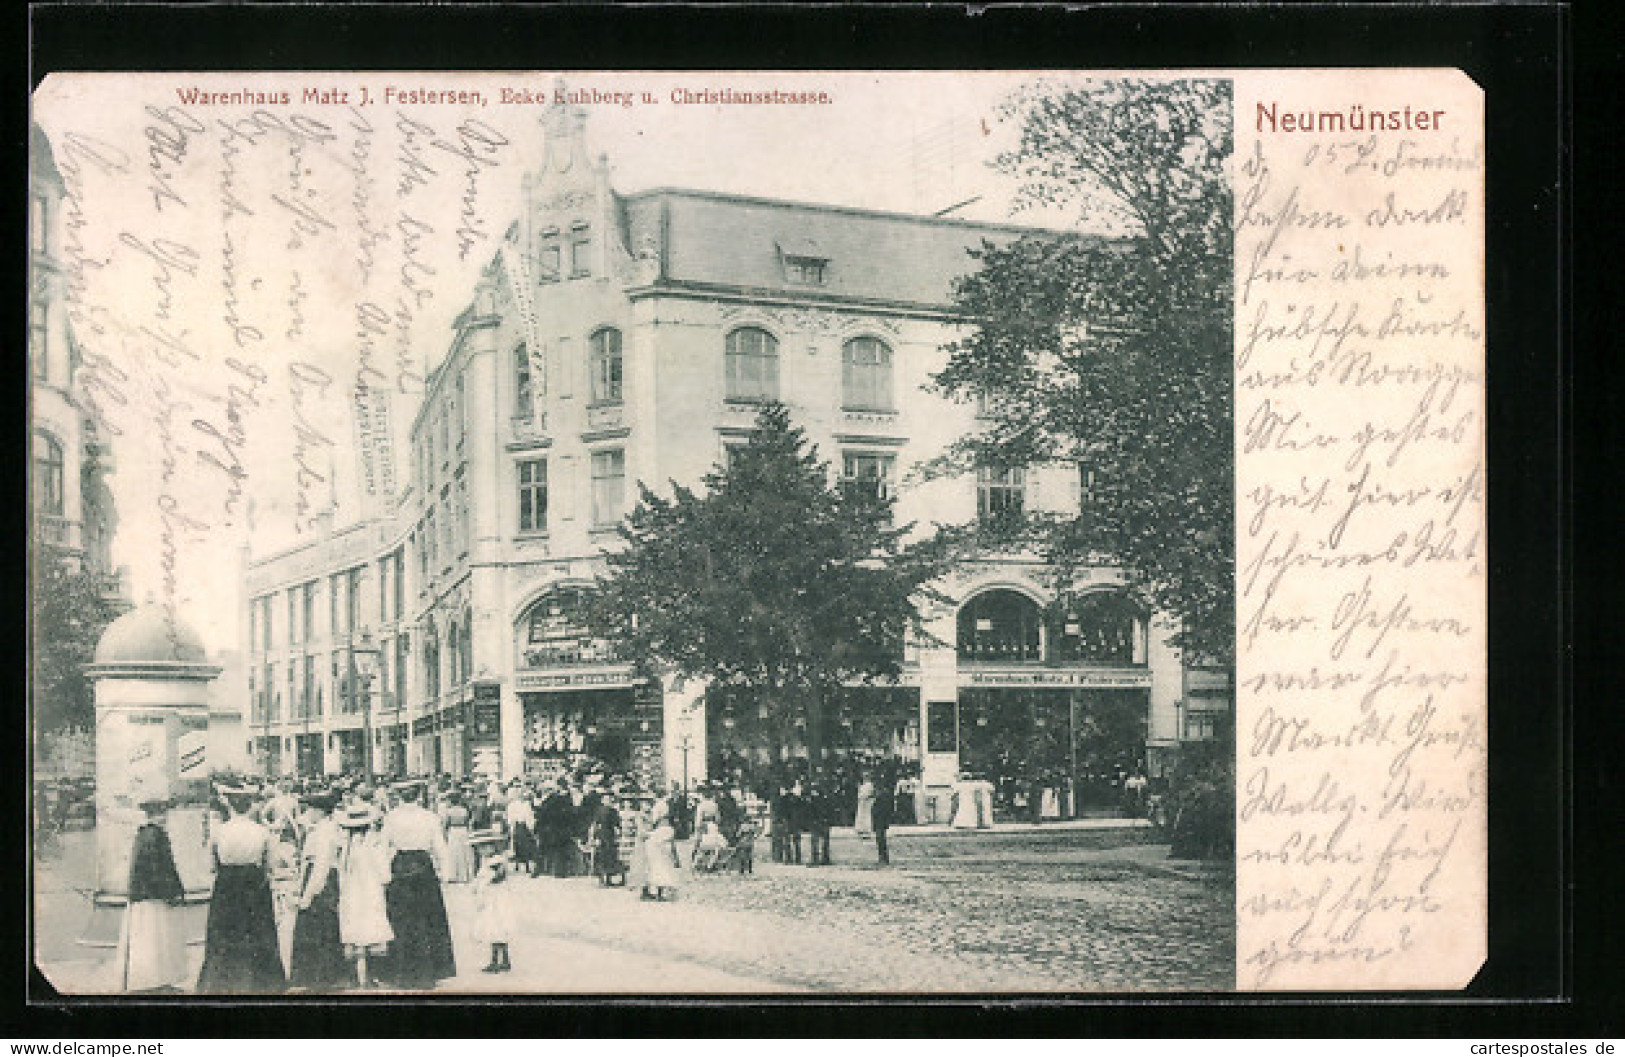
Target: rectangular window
(533, 495)
(866, 375)
(872, 473)
(38, 307)
(400, 673)
(608, 486)
(464, 526)
(353, 596)
(580, 254)
(400, 583)
(431, 540)
(524, 403)
(605, 357)
(294, 636)
(547, 258)
(461, 413)
(1000, 492)
(808, 270)
(309, 603)
(307, 689)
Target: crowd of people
(358, 869)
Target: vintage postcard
(564, 532)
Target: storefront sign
(487, 719)
(1104, 678)
(575, 680)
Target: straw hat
(357, 816)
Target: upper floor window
(1102, 627)
(524, 405)
(47, 458)
(38, 348)
(1000, 492)
(533, 495)
(752, 356)
(1000, 626)
(608, 486)
(866, 375)
(548, 257)
(605, 359)
(809, 270)
(36, 223)
(873, 474)
(580, 251)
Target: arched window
(1000, 626)
(552, 634)
(1102, 627)
(47, 457)
(752, 361)
(605, 360)
(866, 370)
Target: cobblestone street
(1083, 910)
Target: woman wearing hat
(152, 949)
(317, 962)
(240, 953)
(363, 873)
(416, 846)
(460, 849)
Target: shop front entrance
(1053, 753)
(308, 755)
(755, 745)
(616, 730)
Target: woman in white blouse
(416, 847)
(240, 953)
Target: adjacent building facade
(617, 339)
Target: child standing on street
(493, 913)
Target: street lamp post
(362, 657)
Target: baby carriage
(739, 855)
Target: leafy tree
(1113, 352)
(71, 607)
(770, 579)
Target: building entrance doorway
(1053, 753)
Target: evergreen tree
(771, 578)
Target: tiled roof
(731, 241)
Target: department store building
(623, 338)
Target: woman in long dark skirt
(422, 952)
(240, 954)
(318, 962)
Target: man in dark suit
(795, 817)
(820, 816)
(884, 810)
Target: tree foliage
(770, 577)
(70, 607)
(1113, 352)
